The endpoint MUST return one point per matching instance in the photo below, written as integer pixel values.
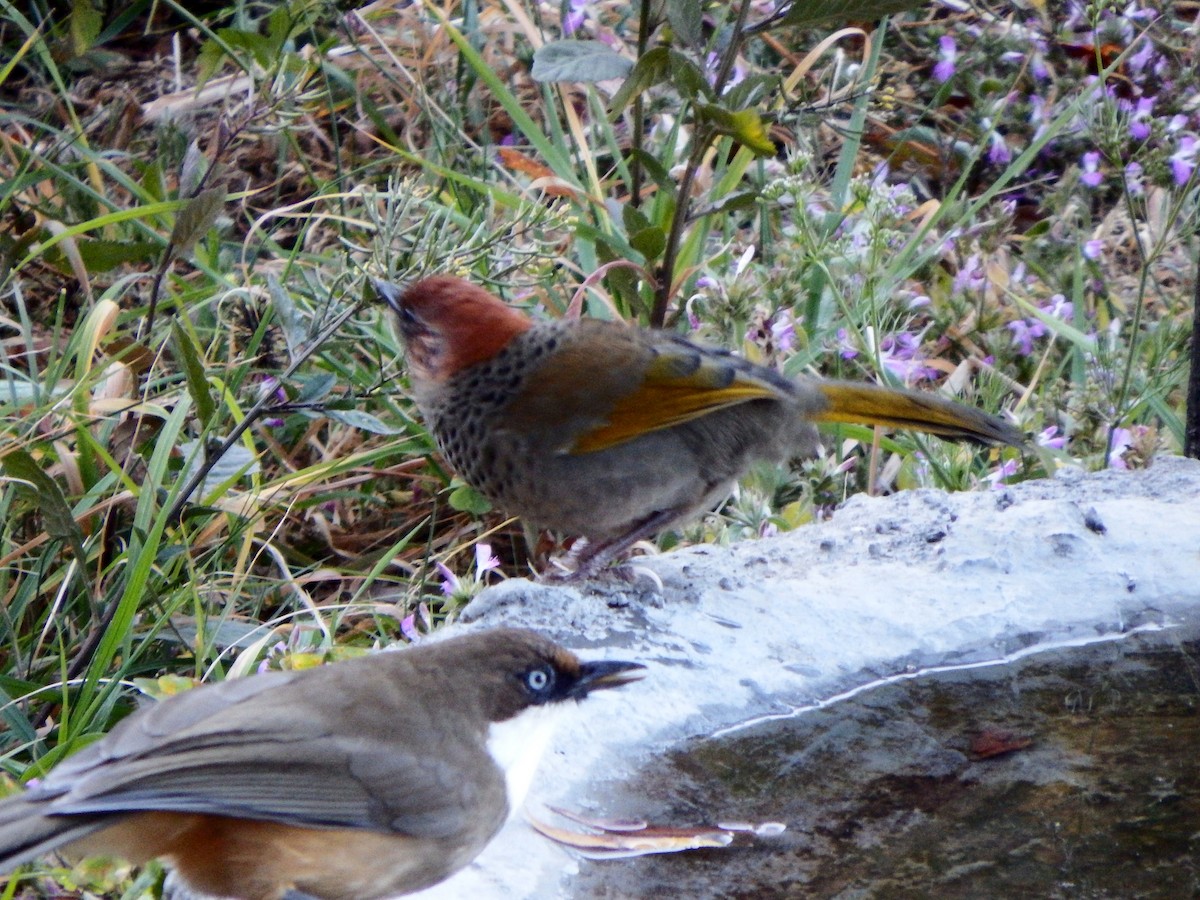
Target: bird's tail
(871, 404)
(26, 832)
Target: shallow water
(891, 793)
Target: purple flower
(947, 54)
(1051, 439)
(1025, 332)
(408, 628)
(1135, 13)
(450, 582)
(1004, 470)
(846, 348)
(971, 276)
(1183, 160)
(783, 330)
(1059, 307)
(1142, 58)
(1122, 440)
(998, 152)
(1139, 121)
(1037, 115)
(411, 625)
(1133, 179)
(900, 353)
(1037, 61)
(1092, 176)
(485, 560)
(1093, 248)
(576, 13)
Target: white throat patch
(517, 746)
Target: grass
(210, 463)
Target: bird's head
(449, 324)
(512, 670)
(521, 682)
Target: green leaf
(193, 369)
(688, 78)
(289, 320)
(647, 72)
(466, 499)
(687, 21)
(56, 514)
(730, 202)
(745, 126)
(363, 421)
(585, 61)
(196, 217)
(650, 242)
(235, 463)
(633, 218)
(103, 256)
(86, 21)
(315, 387)
(656, 170)
(191, 173)
(810, 12)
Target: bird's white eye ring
(539, 680)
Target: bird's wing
(281, 749)
(617, 383)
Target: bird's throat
(517, 745)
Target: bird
(372, 777)
(614, 432)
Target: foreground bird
(362, 779)
(615, 432)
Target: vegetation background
(209, 461)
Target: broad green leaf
(235, 463)
(647, 72)
(687, 21)
(289, 320)
(650, 242)
(810, 12)
(193, 368)
(633, 218)
(465, 498)
(191, 173)
(688, 78)
(60, 524)
(315, 387)
(728, 203)
(196, 217)
(656, 170)
(745, 126)
(56, 514)
(86, 21)
(103, 255)
(582, 61)
(363, 421)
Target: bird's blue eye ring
(539, 680)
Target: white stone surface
(887, 588)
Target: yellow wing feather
(676, 389)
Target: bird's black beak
(389, 293)
(605, 673)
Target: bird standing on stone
(362, 779)
(615, 432)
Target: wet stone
(908, 791)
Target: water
(890, 794)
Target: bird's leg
(595, 555)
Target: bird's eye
(539, 680)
